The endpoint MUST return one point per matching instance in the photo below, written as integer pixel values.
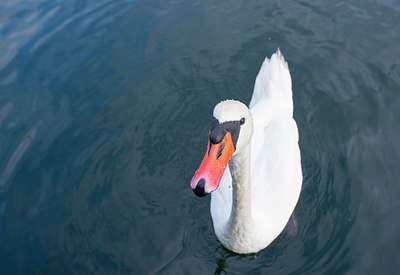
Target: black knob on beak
(199, 190)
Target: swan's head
(230, 132)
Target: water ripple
(104, 111)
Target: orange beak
(208, 176)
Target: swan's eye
(242, 121)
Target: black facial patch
(220, 149)
(219, 130)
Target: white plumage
(266, 164)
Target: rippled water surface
(104, 111)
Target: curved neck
(241, 215)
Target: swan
(254, 196)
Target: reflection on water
(104, 108)
(18, 154)
(5, 110)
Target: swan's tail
(274, 80)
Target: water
(104, 111)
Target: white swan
(255, 196)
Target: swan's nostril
(199, 190)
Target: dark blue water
(104, 111)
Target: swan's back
(276, 165)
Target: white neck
(240, 221)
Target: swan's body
(260, 189)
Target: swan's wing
(276, 167)
(272, 98)
(276, 177)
